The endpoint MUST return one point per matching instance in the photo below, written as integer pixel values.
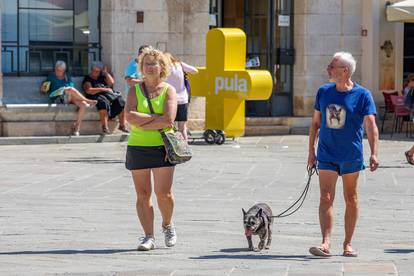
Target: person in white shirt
(177, 80)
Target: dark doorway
(268, 25)
(408, 49)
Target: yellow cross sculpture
(226, 83)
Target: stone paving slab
(69, 209)
(39, 140)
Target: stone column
(194, 51)
(321, 29)
(370, 44)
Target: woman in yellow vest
(145, 152)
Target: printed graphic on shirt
(335, 116)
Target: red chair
(401, 114)
(389, 107)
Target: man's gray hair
(97, 64)
(347, 59)
(61, 64)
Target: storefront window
(36, 33)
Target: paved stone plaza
(70, 209)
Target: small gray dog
(258, 221)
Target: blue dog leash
(311, 171)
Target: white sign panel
(284, 20)
(213, 20)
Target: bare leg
(182, 127)
(81, 112)
(121, 117)
(350, 182)
(145, 210)
(163, 180)
(75, 95)
(409, 155)
(327, 183)
(103, 114)
(411, 151)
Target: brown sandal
(75, 130)
(319, 251)
(410, 158)
(123, 129)
(350, 253)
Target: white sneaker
(170, 235)
(147, 243)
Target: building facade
(294, 40)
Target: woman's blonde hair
(172, 58)
(160, 57)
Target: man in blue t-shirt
(131, 73)
(342, 109)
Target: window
(36, 33)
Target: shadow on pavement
(396, 137)
(93, 161)
(394, 167)
(69, 252)
(235, 250)
(193, 142)
(398, 251)
(251, 255)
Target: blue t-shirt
(342, 122)
(131, 71)
(56, 83)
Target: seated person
(98, 86)
(59, 88)
(409, 94)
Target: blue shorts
(342, 167)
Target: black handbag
(177, 149)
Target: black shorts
(138, 158)
(182, 110)
(113, 104)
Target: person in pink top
(176, 79)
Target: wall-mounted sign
(253, 62)
(213, 20)
(283, 21)
(140, 17)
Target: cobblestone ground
(70, 209)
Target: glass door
(283, 57)
(253, 17)
(257, 19)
